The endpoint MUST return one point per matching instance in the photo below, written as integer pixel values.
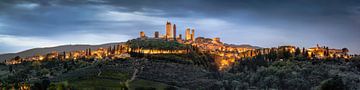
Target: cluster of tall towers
(170, 33)
(189, 35)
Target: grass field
(3, 71)
(109, 81)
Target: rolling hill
(42, 51)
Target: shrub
(332, 84)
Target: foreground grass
(145, 84)
(108, 81)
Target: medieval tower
(168, 33)
(174, 32)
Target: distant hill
(43, 51)
(244, 46)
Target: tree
(272, 55)
(66, 66)
(89, 51)
(306, 55)
(45, 83)
(11, 69)
(251, 53)
(297, 52)
(259, 56)
(327, 53)
(312, 55)
(345, 50)
(114, 49)
(334, 83)
(287, 55)
(64, 53)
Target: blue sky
(26, 24)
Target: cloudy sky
(26, 24)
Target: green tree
(272, 55)
(345, 50)
(332, 84)
(287, 55)
(327, 53)
(297, 52)
(306, 55)
(11, 69)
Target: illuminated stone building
(216, 40)
(168, 33)
(289, 48)
(38, 58)
(325, 52)
(187, 34)
(52, 55)
(142, 34)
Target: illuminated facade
(142, 34)
(325, 52)
(118, 51)
(288, 48)
(216, 40)
(168, 33)
(187, 34)
(192, 35)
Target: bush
(332, 84)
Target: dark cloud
(308, 21)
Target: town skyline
(183, 31)
(179, 44)
(244, 24)
(172, 42)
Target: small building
(142, 34)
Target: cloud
(93, 38)
(264, 23)
(128, 16)
(26, 41)
(212, 23)
(27, 5)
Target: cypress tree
(297, 52)
(64, 53)
(89, 51)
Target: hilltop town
(170, 61)
(224, 54)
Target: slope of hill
(244, 46)
(42, 51)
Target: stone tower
(174, 32)
(168, 33)
(180, 36)
(156, 34)
(193, 34)
(187, 34)
(142, 34)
